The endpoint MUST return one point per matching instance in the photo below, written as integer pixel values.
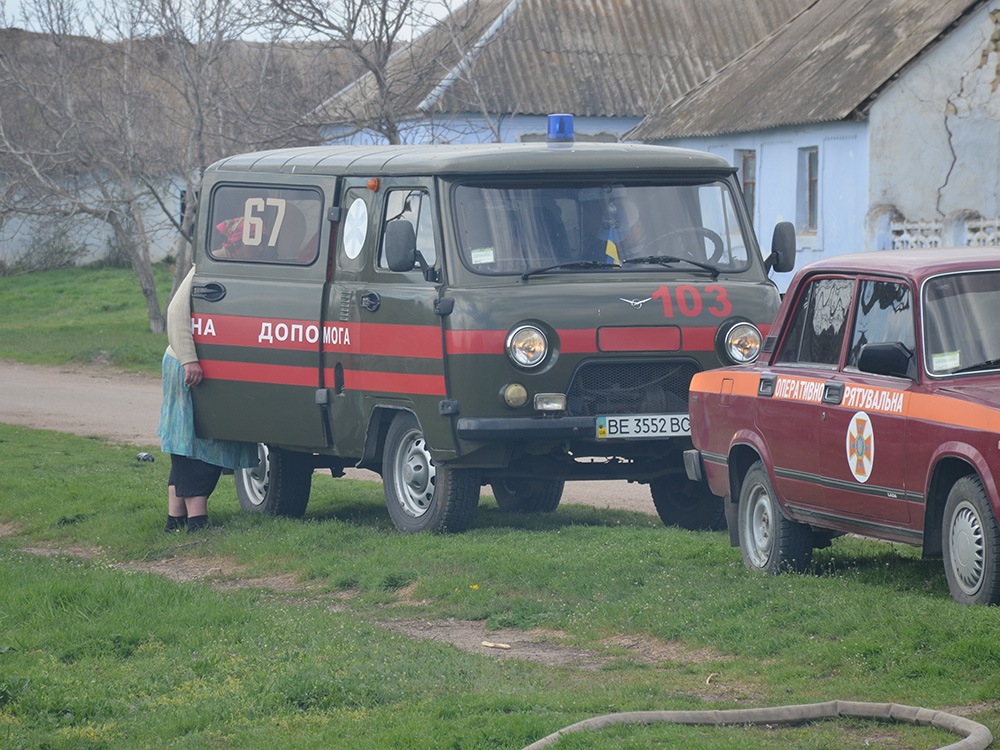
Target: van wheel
(277, 486)
(687, 504)
(971, 542)
(528, 495)
(769, 542)
(422, 495)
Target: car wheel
(422, 495)
(971, 542)
(687, 504)
(769, 542)
(278, 486)
(528, 495)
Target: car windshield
(960, 314)
(590, 228)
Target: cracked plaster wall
(935, 133)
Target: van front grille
(659, 387)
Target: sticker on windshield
(481, 255)
(860, 446)
(355, 228)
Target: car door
(256, 303)
(864, 431)
(790, 406)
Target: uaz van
(457, 316)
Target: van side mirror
(891, 359)
(782, 257)
(400, 246)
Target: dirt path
(123, 407)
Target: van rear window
(265, 224)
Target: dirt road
(125, 408)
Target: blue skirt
(176, 429)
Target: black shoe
(196, 523)
(175, 523)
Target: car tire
(687, 504)
(420, 494)
(769, 542)
(528, 495)
(278, 486)
(970, 543)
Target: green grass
(100, 649)
(81, 316)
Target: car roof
(915, 264)
(485, 158)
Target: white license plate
(631, 426)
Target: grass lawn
(277, 633)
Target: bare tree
(113, 127)
(377, 34)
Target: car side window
(819, 323)
(885, 315)
(413, 206)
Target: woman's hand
(193, 374)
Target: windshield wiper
(666, 260)
(987, 365)
(569, 264)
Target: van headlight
(527, 346)
(741, 343)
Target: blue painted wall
(842, 184)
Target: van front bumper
(484, 429)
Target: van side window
(264, 224)
(816, 332)
(413, 206)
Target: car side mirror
(782, 257)
(400, 246)
(891, 359)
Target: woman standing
(195, 463)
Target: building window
(808, 192)
(746, 163)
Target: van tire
(420, 494)
(687, 504)
(278, 486)
(528, 495)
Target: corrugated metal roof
(823, 65)
(589, 57)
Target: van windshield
(519, 229)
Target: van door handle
(213, 291)
(371, 301)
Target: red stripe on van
(392, 382)
(639, 339)
(247, 372)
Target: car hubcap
(968, 549)
(256, 479)
(415, 482)
(760, 527)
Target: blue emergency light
(560, 129)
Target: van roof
(488, 158)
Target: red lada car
(873, 409)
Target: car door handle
(371, 301)
(833, 393)
(213, 291)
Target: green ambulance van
(452, 317)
